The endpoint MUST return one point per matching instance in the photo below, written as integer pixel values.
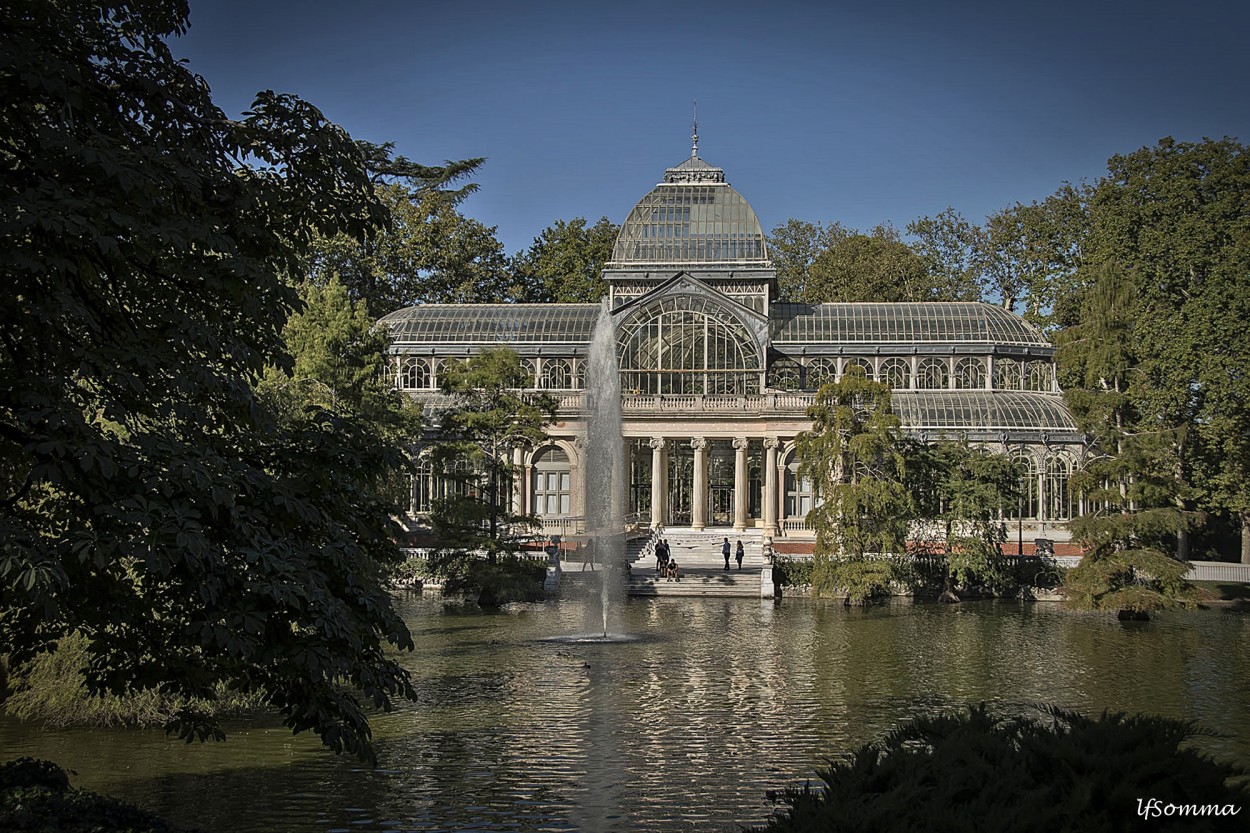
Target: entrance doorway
(722, 506)
(680, 484)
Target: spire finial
(694, 139)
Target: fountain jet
(605, 460)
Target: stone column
(771, 444)
(518, 481)
(626, 475)
(698, 503)
(659, 490)
(741, 444)
(580, 485)
(781, 497)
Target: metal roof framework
(890, 323)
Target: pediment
(685, 284)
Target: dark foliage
(982, 771)
(150, 500)
(35, 796)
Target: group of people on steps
(666, 565)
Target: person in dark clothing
(725, 550)
(739, 552)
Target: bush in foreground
(36, 796)
(981, 771)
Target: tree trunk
(948, 583)
(1245, 537)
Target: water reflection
(684, 729)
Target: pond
(684, 728)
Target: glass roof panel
(493, 323)
(940, 322)
(982, 411)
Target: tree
(474, 526)
(964, 489)
(428, 254)
(340, 363)
(853, 456)
(794, 246)
(1138, 502)
(565, 263)
(150, 501)
(949, 244)
(869, 267)
(1028, 254)
(1176, 219)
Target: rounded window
(969, 374)
(686, 344)
(932, 374)
(896, 373)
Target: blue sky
(861, 112)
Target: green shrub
(981, 771)
(512, 578)
(792, 572)
(858, 581)
(51, 689)
(1136, 580)
(412, 569)
(36, 796)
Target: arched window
(861, 364)
(414, 373)
(1058, 495)
(932, 374)
(454, 478)
(531, 372)
(422, 487)
(1006, 374)
(581, 374)
(1038, 376)
(969, 374)
(688, 344)
(1029, 499)
(783, 374)
(820, 372)
(443, 366)
(557, 374)
(896, 373)
(552, 482)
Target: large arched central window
(686, 344)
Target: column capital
(698, 443)
(742, 443)
(657, 443)
(772, 443)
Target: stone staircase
(702, 567)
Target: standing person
(661, 556)
(738, 553)
(724, 550)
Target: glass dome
(693, 216)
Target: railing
(696, 403)
(1219, 571)
(562, 524)
(795, 525)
